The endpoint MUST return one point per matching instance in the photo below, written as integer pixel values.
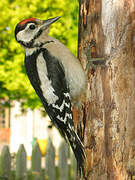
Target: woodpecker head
(28, 31)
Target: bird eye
(32, 26)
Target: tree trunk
(109, 112)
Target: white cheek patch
(26, 35)
(46, 87)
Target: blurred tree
(14, 84)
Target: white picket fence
(65, 170)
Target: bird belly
(77, 85)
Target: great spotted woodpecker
(56, 75)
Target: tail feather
(77, 148)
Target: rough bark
(109, 112)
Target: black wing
(60, 112)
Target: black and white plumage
(56, 76)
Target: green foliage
(13, 80)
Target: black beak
(48, 22)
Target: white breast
(46, 87)
(30, 51)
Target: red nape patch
(27, 20)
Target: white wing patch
(67, 115)
(46, 87)
(62, 106)
(67, 95)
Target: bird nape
(57, 77)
